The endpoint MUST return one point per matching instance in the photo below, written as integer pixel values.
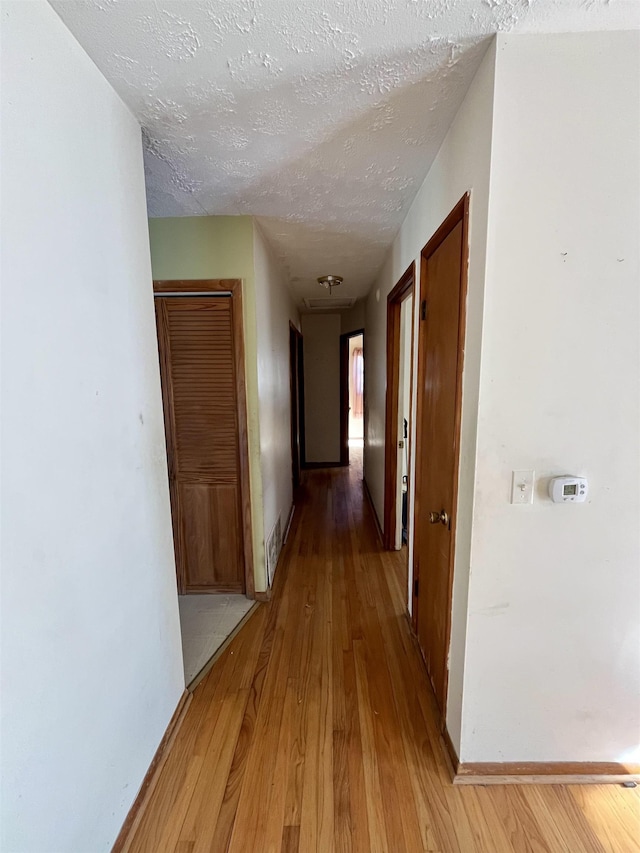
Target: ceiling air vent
(329, 303)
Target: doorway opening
(356, 392)
(296, 381)
(398, 418)
(443, 288)
(352, 397)
(200, 345)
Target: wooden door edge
(195, 285)
(168, 420)
(462, 209)
(295, 338)
(404, 287)
(459, 213)
(374, 512)
(450, 754)
(243, 443)
(344, 400)
(302, 414)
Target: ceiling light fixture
(330, 281)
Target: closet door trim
(234, 287)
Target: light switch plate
(522, 487)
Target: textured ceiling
(319, 117)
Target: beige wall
(202, 247)
(353, 319)
(222, 247)
(275, 308)
(321, 342)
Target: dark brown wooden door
(196, 345)
(437, 448)
(344, 399)
(295, 347)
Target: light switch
(522, 487)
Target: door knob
(442, 517)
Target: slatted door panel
(199, 382)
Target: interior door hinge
(423, 309)
(416, 587)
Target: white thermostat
(568, 489)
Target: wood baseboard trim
(373, 510)
(307, 466)
(263, 596)
(288, 525)
(545, 773)
(450, 754)
(535, 773)
(136, 812)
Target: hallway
(316, 730)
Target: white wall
(404, 407)
(547, 667)
(353, 319)
(462, 164)
(274, 308)
(553, 643)
(91, 664)
(321, 344)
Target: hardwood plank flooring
(316, 729)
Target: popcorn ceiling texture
(320, 117)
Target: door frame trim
(234, 287)
(296, 388)
(459, 214)
(344, 392)
(403, 289)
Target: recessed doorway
(356, 391)
(443, 287)
(200, 345)
(296, 385)
(352, 397)
(400, 314)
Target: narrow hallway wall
(321, 337)
(234, 247)
(221, 247)
(544, 660)
(353, 319)
(91, 654)
(462, 164)
(275, 308)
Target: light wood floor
(316, 730)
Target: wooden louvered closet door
(196, 345)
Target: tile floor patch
(206, 621)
